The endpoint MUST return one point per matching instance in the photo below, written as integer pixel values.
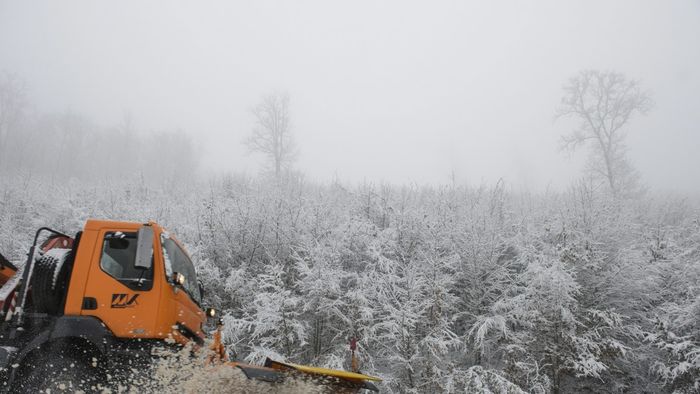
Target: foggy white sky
(381, 90)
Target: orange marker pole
(353, 360)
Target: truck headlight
(178, 278)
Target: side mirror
(178, 279)
(144, 248)
(201, 291)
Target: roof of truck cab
(98, 224)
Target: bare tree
(12, 106)
(604, 102)
(272, 132)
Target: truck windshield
(176, 260)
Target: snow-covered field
(555, 292)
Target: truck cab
(138, 280)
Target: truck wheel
(49, 280)
(59, 373)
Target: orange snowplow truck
(96, 305)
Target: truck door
(119, 291)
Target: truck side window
(176, 260)
(118, 258)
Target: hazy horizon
(392, 91)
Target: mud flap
(6, 355)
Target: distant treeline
(68, 144)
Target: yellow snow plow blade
(350, 379)
(329, 372)
(275, 371)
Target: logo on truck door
(121, 300)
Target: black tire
(57, 372)
(48, 285)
